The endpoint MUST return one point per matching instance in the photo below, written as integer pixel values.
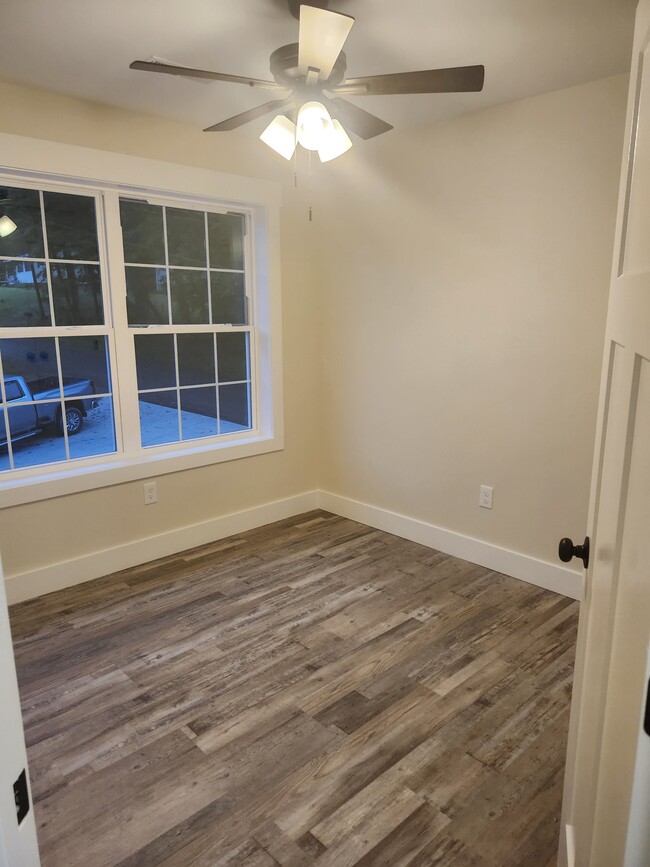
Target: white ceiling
(83, 48)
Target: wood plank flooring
(312, 692)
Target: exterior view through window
(174, 328)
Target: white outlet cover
(485, 496)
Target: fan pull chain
(309, 179)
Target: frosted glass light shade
(7, 226)
(314, 124)
(336, 142)
(280, 135)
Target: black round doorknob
(567, 550)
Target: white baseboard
(27, 585)
(538, 572)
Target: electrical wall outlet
(150, 493)
(485, 497)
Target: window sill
(58, 481)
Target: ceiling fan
(316, 63)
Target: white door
(606, 735)
(18, 846)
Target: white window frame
(31, 162)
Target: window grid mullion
(202, 328)
(207, 262)
(46, 251)
(64, 426)
(216, 378)
(5, 413)
(167, 271)
(57, 260)
(154, 265)
(178, 390)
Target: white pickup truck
(27, 418)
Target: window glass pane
(97, 435)
(196, 359)
(199, 412)
(234, 407)
(77, 293)
(84, 365)
(228, 298)
(33, 358)
(226, 239)
(71, 226)
(24, 208)
(24, 300)
(155, 361)
(146, 296)
(14, 389)
(232, 356)
(189, 291)
(159, 418)
(47, 447)
(186, 237)
(142, 232)
(23, 419)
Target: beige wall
(79, 524)
(443, 323)
(465, 271)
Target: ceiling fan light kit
(315, 131)
(316, 63)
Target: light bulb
(314, 124)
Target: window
(54, 337)
(186, 285)
(157, 293)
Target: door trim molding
(27, 585)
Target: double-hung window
(128, 332)
(56, 343)
(187, 306)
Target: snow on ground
(159, 425)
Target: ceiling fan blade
(361, 122)
(247, 116)
(456, 79)
(169, 69)
(321, 38)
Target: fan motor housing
(284, 68)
